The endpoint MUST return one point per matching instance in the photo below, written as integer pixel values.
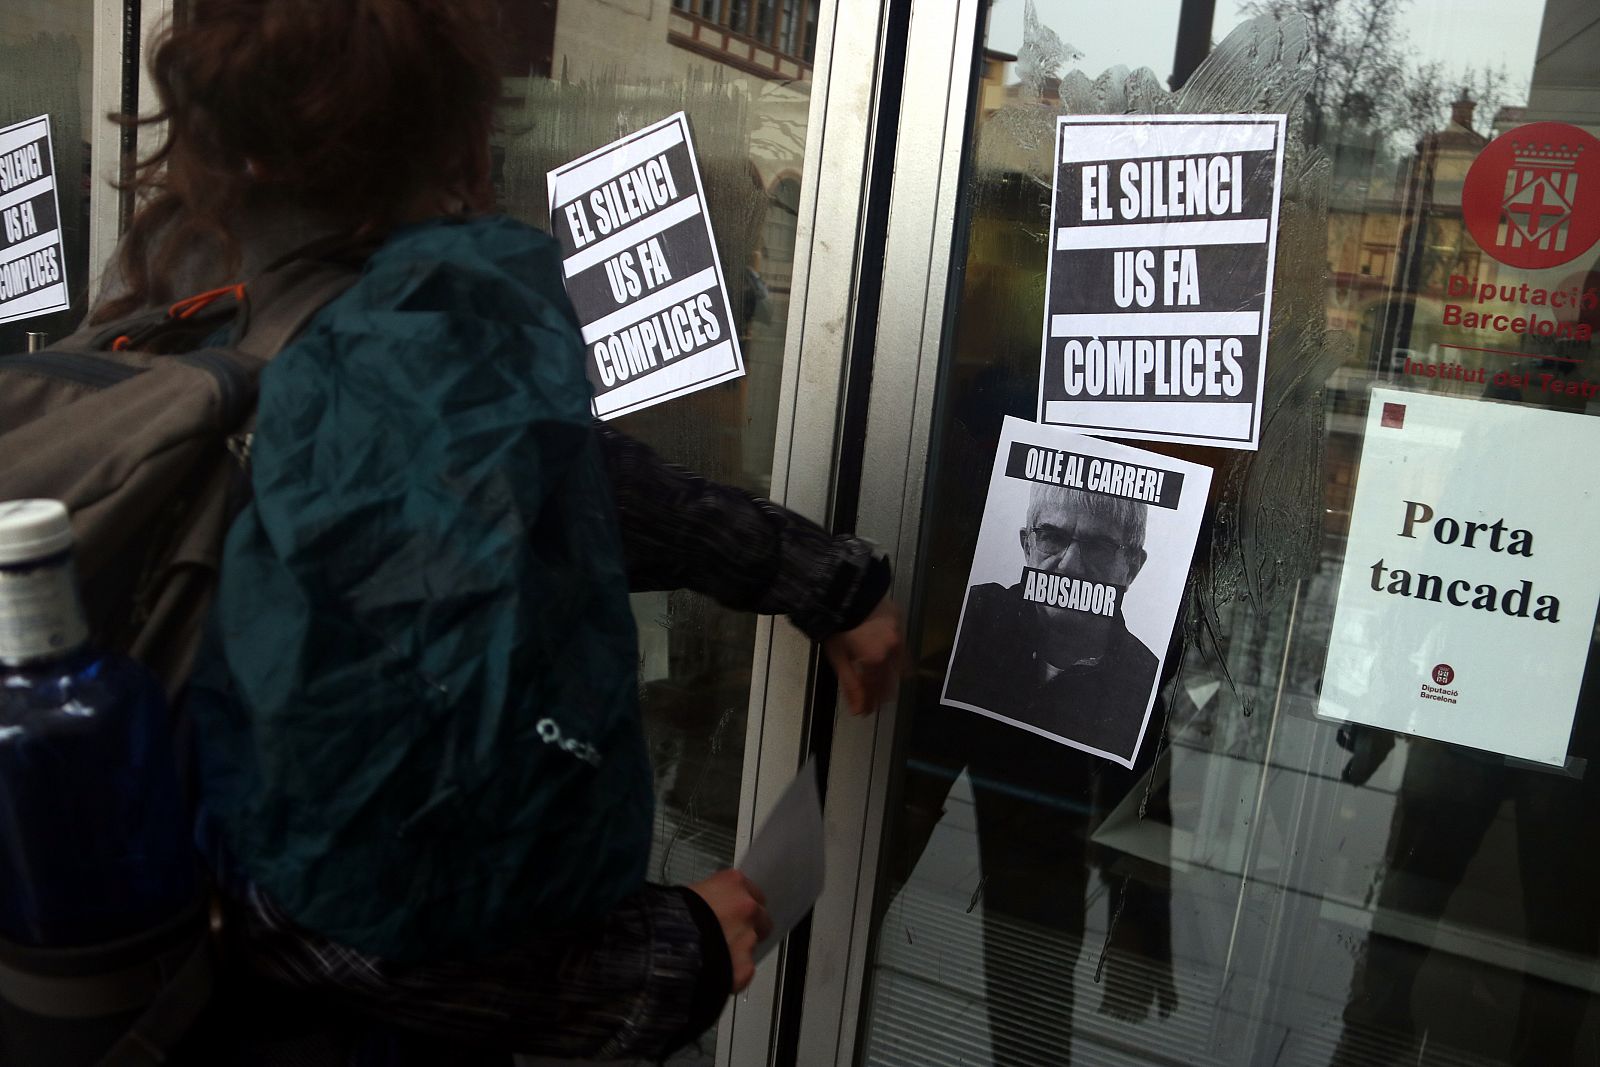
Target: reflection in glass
(1450, 802)
(764, 19)
(786, 30)
(774, 24)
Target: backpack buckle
(239, 445)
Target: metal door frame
(120, 81)
(918, 275)
(846, 88)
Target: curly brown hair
(367, 112)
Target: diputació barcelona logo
(1532, 197)
(1443, 674)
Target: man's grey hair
(1127, 517)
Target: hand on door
(869, 659)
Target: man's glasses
(1095, 551)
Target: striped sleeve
(681, 531)
(645, 980)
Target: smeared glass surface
(1275, 890)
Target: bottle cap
(33, 530)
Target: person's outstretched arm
(682, 531)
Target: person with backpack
(424, 788)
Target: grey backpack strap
(283, 300)
(170, 1016)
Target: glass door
(778, 97)
(1277, 880)
(724, 695)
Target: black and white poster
(1075, 587)
(1163, 230)
(33, 264)
(641, 267)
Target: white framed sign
(640, 264)
(1158, 290)
(33, 262)
(1075, 587)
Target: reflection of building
(1564, 87)
(767, 38)
(1394, 247)
(1404, 236)
(992, 92)
(589, 73)
(760, 48)
(764, 38)
(1413, 288)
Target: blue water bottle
(94, 843)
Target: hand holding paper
(741, 909)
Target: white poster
(641, 267)
(1467, 601)
(1163, 232)
(1075, 587)
(33, 264)
(786, 858)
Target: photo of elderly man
(1053, 652)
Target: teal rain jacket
(417, 710)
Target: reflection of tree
(1355, 56)
(1431, 89)
(1364, 74)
